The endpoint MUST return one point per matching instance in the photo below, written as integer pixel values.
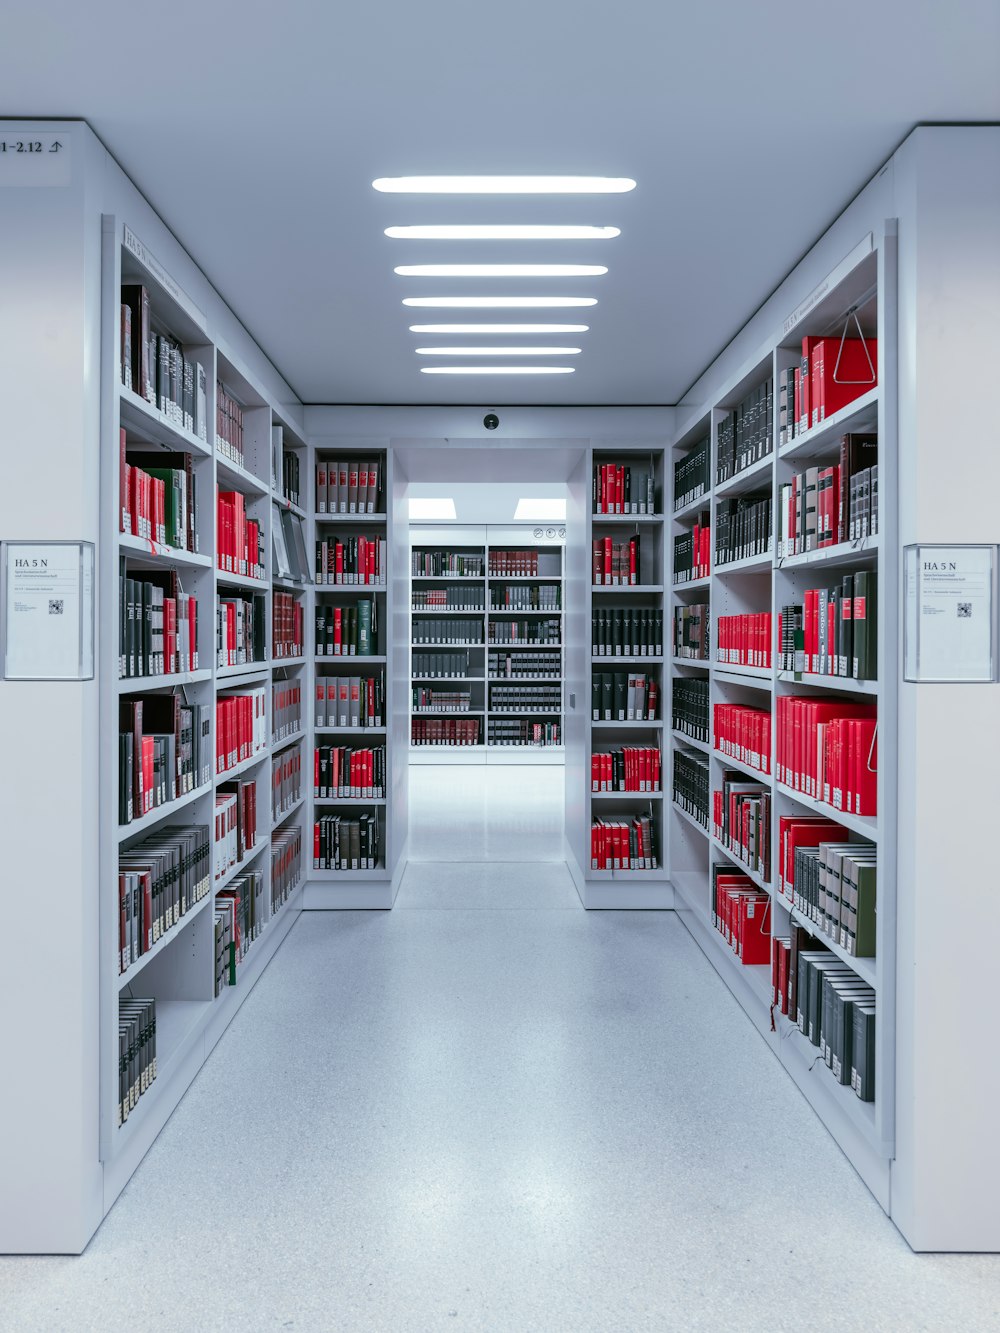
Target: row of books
(526, 597)
(445, 731)
(835, 890)
(351, 560)
(348, 486)
(510, 731)
(515, 665)
(136, 1052)
(746, 434)
(163, 752)
(693, 552)
(627, 768)
(834, 632)
(158, 626)
(690, 784)
(828, 749)
(691, 632)
(741, 914)
(342, 842)
(615, 564)
(158, 498)
(626, 631)
(347, 631)
(448, 599)
(525, 631)
(228, 424)
(240, 636)
(446, 631)
(744, 734)
(745, 640)
(427, 700)
(623, 696)
(159, 881)
(350, 701)
(520, 561)
(836, 1012)
(239, 919)
(618, 488)
(743, 528)
(525, 698)
(689, 707)
(291, 486)
(240, 727)
(435, 564)
(828, 505)
(693, 474)
(286, 864)
(286, 710)
(235, 825)
(344, 772)
(240, 546)
(741, 820)
(286, 781)
(154, 366)
(430, 666)
(287, 626)
(624, 844)
(830, 373)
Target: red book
(597, 575)
(856, 366)
(608, 559)
(862, 796)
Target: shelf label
(149, 261)
(831, 281)
(32, 158)
(949, 631)
(48, 616)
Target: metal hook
(853, 312)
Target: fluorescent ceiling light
(497, 370)
(500, 270)
(541, 509)
(501, 232)
(497, 351)
(503, 184)
(432, 509)
(499, 328)
(499, 302)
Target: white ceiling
(255, 129)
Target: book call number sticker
(35, 159)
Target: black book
(607, 695)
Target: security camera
(491, 421)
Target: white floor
(490, 1110)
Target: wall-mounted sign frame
(48, 610)
(950, 606)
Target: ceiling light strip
(497, 370)
(519, 329)
(503, 184)
(499, 302)
(500, 270)
(497, 351)
(501, 232)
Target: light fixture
(497, 370)
(503, 184)
(497, 351)
(501, 232)
(499, 328)
(499, 302)
(500, 270)
(432, 509)
(534, 510)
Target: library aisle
(521, 1119)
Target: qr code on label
(965, 610)
(56, 608)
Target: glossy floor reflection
(486, 812)
(485, 1111)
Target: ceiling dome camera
(491, 421)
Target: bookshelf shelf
(148, 423)
(146, 684)
(740, 864)
(251, 855)
(692, 585)
(690, 819)
(682, 738)
(864, 967)
(225, 579)
(349, 518)
(245, 674)
(519, 680)
(862, 551)
(243, 766)
(843, 684)
(765, 779)
(175, 932)
(167, 811)
(627, 659)
(750, 672)
(748, 565)
(744, 676)
(359, 659)
(655, 725)
(693, 507)
(179, 1027)
(349, 800)
(280, 817)
(636, 796)
(278, 662)
(377, 876)
(830, 1098)
(860, 415)
(282, 503)
(626, 520)
(288, 585)
(233, 477)
(865, 825)
(747, 479)
(355, 731)
(143, 552)
(697, 663)
(286, 741)
(615, 588)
